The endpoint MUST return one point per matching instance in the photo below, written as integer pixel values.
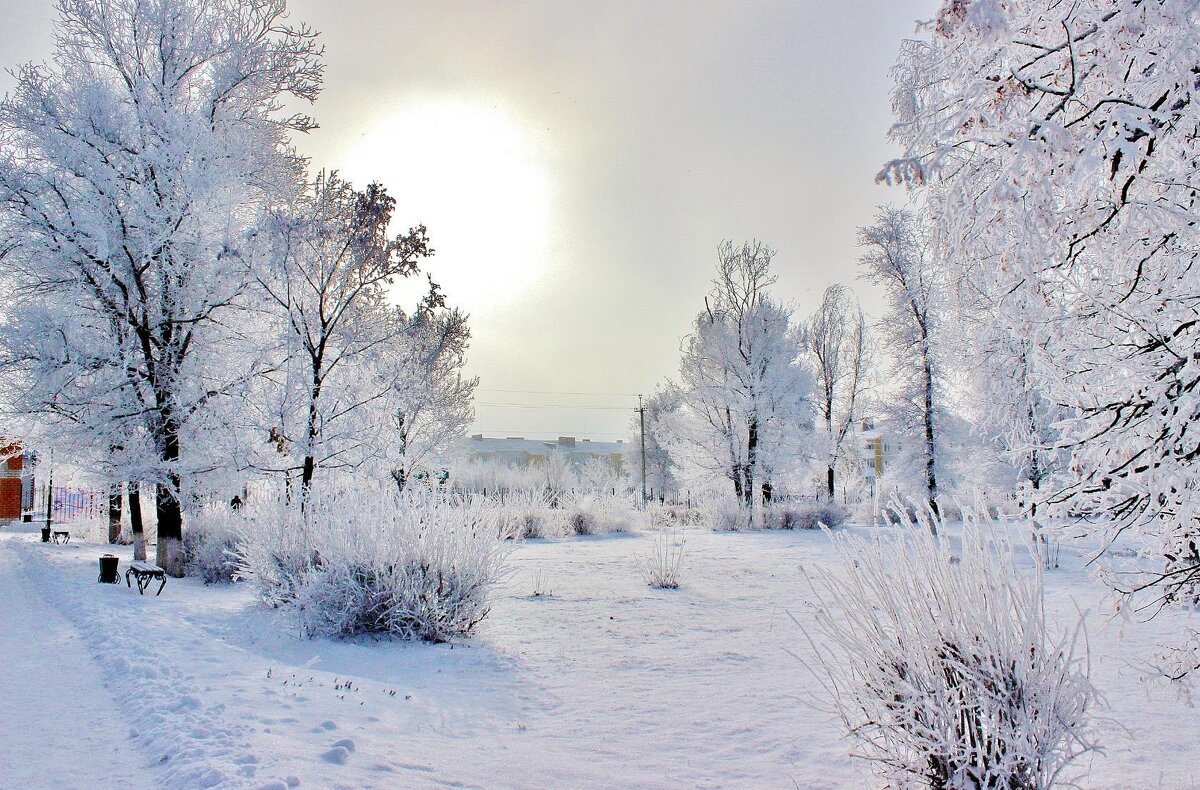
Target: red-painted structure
(13, 483)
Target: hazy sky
(577, 164)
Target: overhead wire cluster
(485, 426)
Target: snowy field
(599, 682)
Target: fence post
(50, 500)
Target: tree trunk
(829, 480)
(306, 478)
(751, 459)
(169, 549)
(930, 441)
(114, 513)
(135, 521)
(400, 473)
(310, 462)
(1035, 480)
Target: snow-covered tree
(899, 258)
(662, 470)
(65, 394)
(131, 170)
(432, 402)
(745, 393)
(328, 259)
(1055, 146)
(1011, 410)
(835, 338)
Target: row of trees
(184, 304)
(760, 395)
(1050, 151)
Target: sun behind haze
(577, 164)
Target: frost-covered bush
(525, 514)
(662, 566)
(412, 565)
(668, 516)
(724, 514)
(277, 552)
(211, 544)
(494, 478)
(594, 514)
(942, 667)
(803, 515)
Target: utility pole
(642, 418)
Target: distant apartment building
(876, 447)
(519, 451)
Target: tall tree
(327, 261)
(836, 340)
(745, 393)
(662, 468)
(132, 169)
(432, 402)
(899, 258)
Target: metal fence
(67, 504)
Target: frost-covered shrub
(803, 515)
(724, 514)
(211, 544)
(668, 516)
(662, 566)
(277, 553)
(525, 514)
(415, 566)
(494, 478)
(942, 667)
(593, 514)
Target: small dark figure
(236, 502)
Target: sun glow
(478, 178)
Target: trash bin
(45, 534)
(108, 569)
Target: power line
(565, 432)
(549, 392)
(557, 406)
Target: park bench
(61, 536)
(143, 574)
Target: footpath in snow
(59, 725)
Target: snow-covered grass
(606, 683)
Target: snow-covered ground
(602, 682)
